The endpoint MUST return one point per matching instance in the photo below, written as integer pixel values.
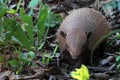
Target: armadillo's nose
(74, 56)
(74, 53)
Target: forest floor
(103, 67)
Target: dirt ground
(103, 67)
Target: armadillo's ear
(63, 34)
(88, 37)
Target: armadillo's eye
(89, 35)
(63, 34)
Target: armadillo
(82, 28)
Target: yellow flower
(80, 74)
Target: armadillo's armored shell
(87, 20)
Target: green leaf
(117, 58)
(41, 46)
(30, 34)
(118, 63)
(22, 11)
(26, 57)
(33, 3)
(20, 35)
(13, 63)
(8, 36)
(27, 19)
(28, 25)
(11, 11)
(53, 20)
(47, 57)
(43, 57)
(16, 31)
(9, 24)
(2, 12)
(41, 22)
(18, 5)
(55, 50)
(2, 44)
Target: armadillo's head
(75, 40)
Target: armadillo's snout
(74, 57)
(75, 54)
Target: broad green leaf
(28, 25)
(16, 31)
(41, 22)
(8, 36)
(9, 24)
(33, 3)
(22, 11)
(11, 11)
(20, 35)
(27, 19)
(22, 57)
(2, 12)
(30, 34)
(2, 44)
(13, 63)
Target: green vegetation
(24, 36)
(118, 63)
(47, 57)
